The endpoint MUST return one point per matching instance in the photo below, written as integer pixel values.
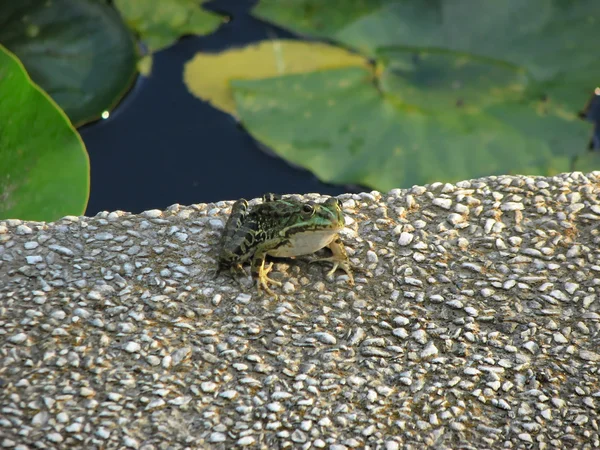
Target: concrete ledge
(476, 325)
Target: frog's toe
(263, 281)
(263, 284)
(338, 264)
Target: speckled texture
(476, 325)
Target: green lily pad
(44, 174)
(316, 17)
(437, 80)
(588, 162)
(555, 41)
(161, 22)
(468, 88)
(337, 124)
(79, 51)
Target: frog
(284, 228)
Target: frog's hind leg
(260, 272)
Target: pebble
(405, 238)
(208, 386)
(217, 437)
(55, 437)
(444, 203)
(245, 441)
(429, 351)
(288, 287)
(18, 338)
(589, 355)
(132, 347)
(326, 338)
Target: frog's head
(317, 216)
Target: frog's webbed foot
(339, 259)
(260, 272)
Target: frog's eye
(308, 209)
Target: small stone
(229, 394)
(130, 442)
(34, 259)
(299, 436)
(571, 287)
(155, 404)
(288, 287)
(531, 346)
(372, 257)
(55, 437)
(179, 355)
(512, 206)
(275, 407)
(589, 355)
(391, 445)
(445, 203)
(471, 311)
(246, 440)
(405, 238)
(152, 213)
(430, 350)
(132, 347)
(23, 229)
(243, 298)
(102, 433)
(86, 392)
(216, 224)
(400, 333)
(559, 295)
(559, 338)
(61, 250)
(153, 360)
(526, 437)
(40, 419)
(326, 338)
(217, 437)
(487, 292)
(325, 422)
(18, 338)
(208, 386)
(75, 427)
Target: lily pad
(316, 17)
(208, 75)
(555, 41)
(161, 22)
(435, 80)
(44, 173)
(502, 78)
(337, 124)
(79, 51)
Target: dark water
(163, 146)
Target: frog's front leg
(339, 259)
(260, 272)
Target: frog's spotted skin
(282, 228)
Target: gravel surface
(475, 325)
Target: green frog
(281, 228)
